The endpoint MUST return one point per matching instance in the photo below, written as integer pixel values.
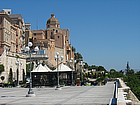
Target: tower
(52, 22)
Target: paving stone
(74, 95)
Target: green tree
(138, 74)
(101, 68)
(127, 67)
(115, 74)
(1, 68)
(28, 68)
(78, 57)
(10, 79)
(73, 49)
(133, 81)
(128, 70)
(23, 74)
(86, 65)
(93, 67)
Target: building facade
(12, 39)
(18, 22)
(53, 39)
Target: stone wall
(125, 95)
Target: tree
(1, 68)
(24, 80)
(78, 57)
(115, 74)
(112, 70)
(28, 68)
(128, 70)
(134, 83)
(10, 79)
(138, 74)
(101, 68)
(93, 67)
(127, 67)
(73, 49)
(86, 65)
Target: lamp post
(72, 77)
(81, 70)
(17, 63)
(57, 60)
(30, 92)
(36, 49)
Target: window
(52, 35)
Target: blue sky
(105, 32)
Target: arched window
(52, 35)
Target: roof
(19, 16)
(63, 68)
(52, 20)
(3, 14)
(41, 68)
(47, 68)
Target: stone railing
(125, 95)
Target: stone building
(12, 39)
(28, 33)
(15, 35)
(53, 39)
(18, 22)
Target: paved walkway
(85, 95)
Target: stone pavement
(75, 95)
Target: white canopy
(47, 68)
(63, 68)
(41, 68)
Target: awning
(41, 68)
(63, 68)
(47, 68)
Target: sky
(105, 32)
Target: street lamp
(36, 49)
(81, 71)
(30, 92)
(17, 63)
(57, 58)
(72, 77)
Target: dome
(52, 22)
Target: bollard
(114, 101)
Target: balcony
(37, 57)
